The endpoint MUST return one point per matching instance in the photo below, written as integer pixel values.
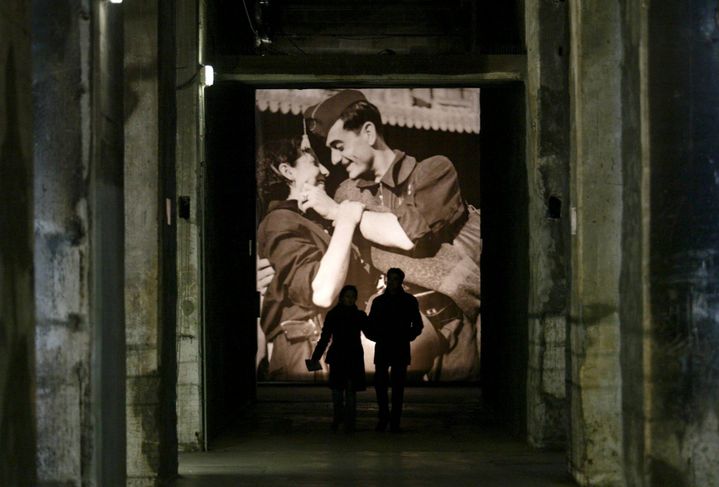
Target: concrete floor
(449, 439)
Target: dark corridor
(230, 219)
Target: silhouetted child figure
(345, 357)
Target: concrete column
(189, 187)
(17, 323)
(78, 253)
(634, 285)
(596, 190)
(548, 174)
(151, 372)
(670, 329)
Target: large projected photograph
(353, 182)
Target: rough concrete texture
(548, 173)
(148, 447)
(61, 110)
(682, 379)
(17, 384)
(189, 388)
(299, 27)
(595, 383)
(633, 284)
(142, 219)
(669, 298)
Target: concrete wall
(78, 256)
(298, 27)
(549, 252)
(683, 382)
(596, 193)
(190, 434)
(17, 323)
(634, 285)
(62, 132)
(644, 108)
(107, 207)
(151, 359)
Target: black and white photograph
(343, 243)
(354, 182)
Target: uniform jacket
(426, 198)
(394, 322)
(294, 243)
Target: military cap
(322, 116)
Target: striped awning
(440, 109)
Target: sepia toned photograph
(352, 183)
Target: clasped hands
(316, 198)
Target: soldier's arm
(379, 227)
(384, 229)
(432, 206)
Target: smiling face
(306, 172)
(352, 149)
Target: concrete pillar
(548, 175)
(17, 323)
(670, 329)
(190, 431)
(149, 212)
(634, 285)
(78, 204)
(596, 192)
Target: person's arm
(265, 273)
(324, 338)
(384, 229)
(310, 276)
(377, 226)
(416, 326)
(365, 325)
(433, 202)
(373, 320)
(332, 271)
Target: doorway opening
(232, 303)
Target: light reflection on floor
(449, 438)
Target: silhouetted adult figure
(345, 357)
(395, 321)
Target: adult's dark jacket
(394, 322)
(345, 356)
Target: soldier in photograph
(415, 219)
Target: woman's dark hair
(354, 116)
(347, 288)
(270, 183)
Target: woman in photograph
(311, 266)
(343, 326)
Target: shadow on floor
(449, 439)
